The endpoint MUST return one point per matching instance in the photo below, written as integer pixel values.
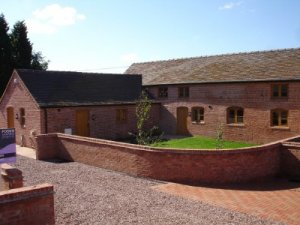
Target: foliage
(21, 46)
(5, 54)
(16, 52)
(199, 142)
(143, 110)
(38, 61)
(219, 137)
(153, 135)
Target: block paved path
(277, 200)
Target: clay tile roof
(241, 67)
(57, 88)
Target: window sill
(198, 123)
(280, 128)
(236, 125)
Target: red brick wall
(290, 160)
(17, 96)
(102, 121)
(202, 166)
(255, 98)
(27, 206)
(47, 147)
(10, 177)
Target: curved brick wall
(201, 166)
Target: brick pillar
(11, 176)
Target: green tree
(219, 136)
(5, 54)
(38, 61)
(143, 109)
(142, 113)
(16, 52)
(21, 46)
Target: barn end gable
(24, 110)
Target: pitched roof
(241, 67)
(57, 88)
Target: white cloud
(52, 17)
(230, 5)
(130, 58)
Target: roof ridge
(219, 55)
(77, 72)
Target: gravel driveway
(90, 195)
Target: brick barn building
(254, 96)
(86, 104)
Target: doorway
(182, 115)
(82, 123)
(10, 117)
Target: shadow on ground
(266, 185)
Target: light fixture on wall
(15, 81)
(17, 116)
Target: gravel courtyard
(91, 195)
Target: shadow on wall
(169, 122)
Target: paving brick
(277, 200)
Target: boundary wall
(32, 205)
(184, 166)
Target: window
(121, 115)
(183, 92)
(162, 92)
(22, 117)
(280, 90)
(279, 117)
(235, 115)
(198, 114)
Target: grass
(199, 142)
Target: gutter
(223, 82)
(68, 105)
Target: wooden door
(82, 123)
(10, 117)
(182, 114)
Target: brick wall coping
(10, 170)
(26, 192)
(292, 144)
(135, 147)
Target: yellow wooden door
(82, 123)
(182, 114)
(10, 117)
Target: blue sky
(109, 35)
